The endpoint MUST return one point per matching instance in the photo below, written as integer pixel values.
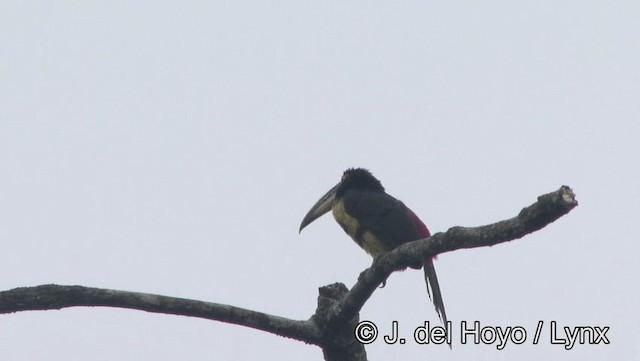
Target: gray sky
(174, 147)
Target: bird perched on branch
(376, 221)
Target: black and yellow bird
(376, 221)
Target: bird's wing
(382, 215)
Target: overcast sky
(174, 148)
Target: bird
(376, 221)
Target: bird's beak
(322, 206)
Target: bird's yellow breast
(365, 239)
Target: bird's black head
(352, 179)
(358, 179)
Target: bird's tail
(434, 288)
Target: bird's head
(352, 179)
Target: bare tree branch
(331, 327)
(51, 297)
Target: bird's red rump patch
(422, 228)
